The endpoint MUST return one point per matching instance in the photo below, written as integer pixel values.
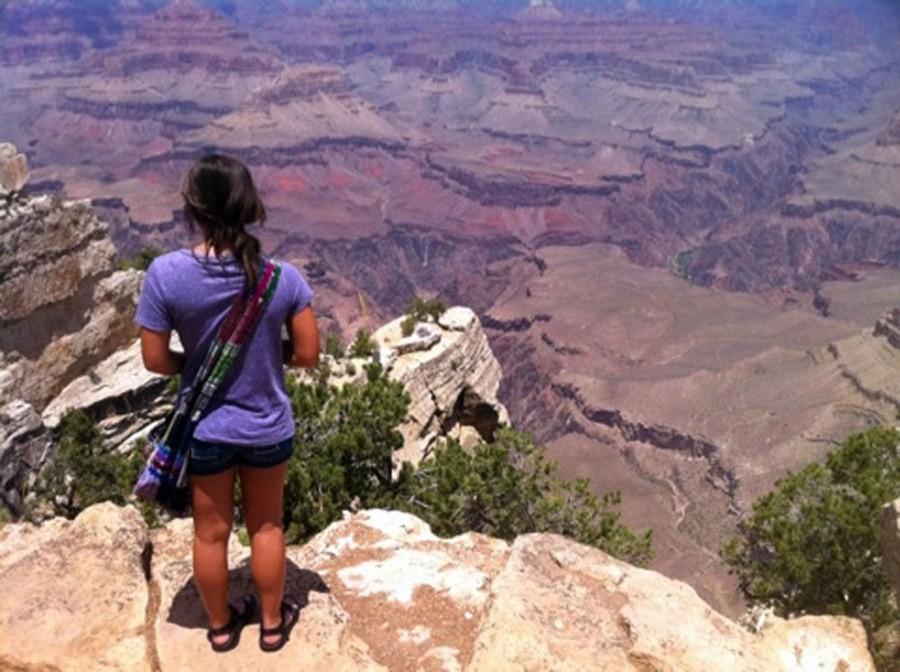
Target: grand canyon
(679, 221)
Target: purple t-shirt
(191, 294)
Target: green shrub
(333, 346)
(84, 473)
(420, 310)
(811, 545)
(506, 488)
(344, 447)
(408, 325)
(141, 260)
(364, 345)
(343, 460)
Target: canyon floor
(679, 228)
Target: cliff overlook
(381, 592)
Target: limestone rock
(379, 591)
(424, 336)
(119, 394)
(561, 606)
(452, 382)
(73, 595)
(63, 308)
(24, 446)
(415, 600)
(13, 170)
(890, 543)
(321, 641)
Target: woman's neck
(207, 250)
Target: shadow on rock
(187, 608)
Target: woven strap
(235, 331)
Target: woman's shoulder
(166, 264)
(289, 271)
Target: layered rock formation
(380, 592)
(63, 309)
(452, 377)
(63, 306)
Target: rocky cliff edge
(380, 592)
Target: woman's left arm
(158, 356)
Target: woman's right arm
(302, 350)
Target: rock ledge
(380, 592)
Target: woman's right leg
(263, 499)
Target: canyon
(678, 222)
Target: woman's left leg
(212, 500)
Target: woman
(248, 427)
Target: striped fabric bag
(164, 479)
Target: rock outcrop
(75, 593)
(890, 543)
(63, 305)
(63, 308)
(119, 394)
(452, 378)
(13, 170)
(380, 592)
(888, 327)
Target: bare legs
(263, 491)
(212, 499)
(213, 506)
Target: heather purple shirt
(191, 294)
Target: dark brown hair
(220, 198)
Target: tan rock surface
(320, 642)
(73, 595)
(561, 606)
(380, 592)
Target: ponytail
(221, 198)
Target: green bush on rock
(83, 472)
(811, 545)
(346, 439)
(343, 460)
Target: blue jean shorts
(207, 458)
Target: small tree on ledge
(421, 309)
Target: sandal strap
(235, 616)
(228, 627)
(286, 608)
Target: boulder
(379, 591)
(13, 170)
(561, 606)
(452, 378)
(73, 594)
(890, 543)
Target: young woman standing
(248, 427)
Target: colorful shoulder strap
(235, 331)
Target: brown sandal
(290, 614)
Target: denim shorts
(208, 459)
